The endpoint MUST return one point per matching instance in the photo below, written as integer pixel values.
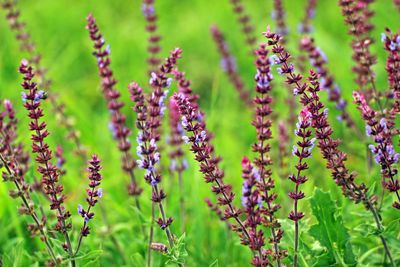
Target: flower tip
(89, 17)
(24, 62)
(80, 208)
(267, 31)
(7, 104)
(177, 52)
(245, 162)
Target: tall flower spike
(327, 145)
(8, 127)
(184, 87)
(318, 61)
(391, 43)
(49, 172)
(302, 151)
(118, 128)
(202, 149)
(160, 84)
(149, 155)
(263, 161)
(27, 45)
(228, 65)
(305, 26)
(383, 150)
(252, 205)
(357, 15)
(149, 118)
(279, 15)
(153, 48)
(93, 195)
(245, 21)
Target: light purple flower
(23, 96)
(80, 209)
(100, 192)
(185, 139)
(153, 78)
(383, 37)
(148, 10)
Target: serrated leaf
(177, 254)
(330, 232)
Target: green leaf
(177, 254)
(330, 232)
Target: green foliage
(177, 253)
(330, 232)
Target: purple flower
(168, 84)
(203, 135)
(368, 130)
(341, 104)
(8, 105)
(274, 60)
(228, 64)
(23, 96)
(383, 124)
(294, 150)
(100, 192)
(112, 129)
(148, 10)
(383, 37)
(392, 46)
(185, 139)
(139, 138)
(80, 209)
(59, 163)
(154, 182)
(139, 151)
(156, 157)
(153, 78)
(322, 83)
(140, 163)
(153, 144)
(184, 122)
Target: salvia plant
(299, 194)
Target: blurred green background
(58, 28)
